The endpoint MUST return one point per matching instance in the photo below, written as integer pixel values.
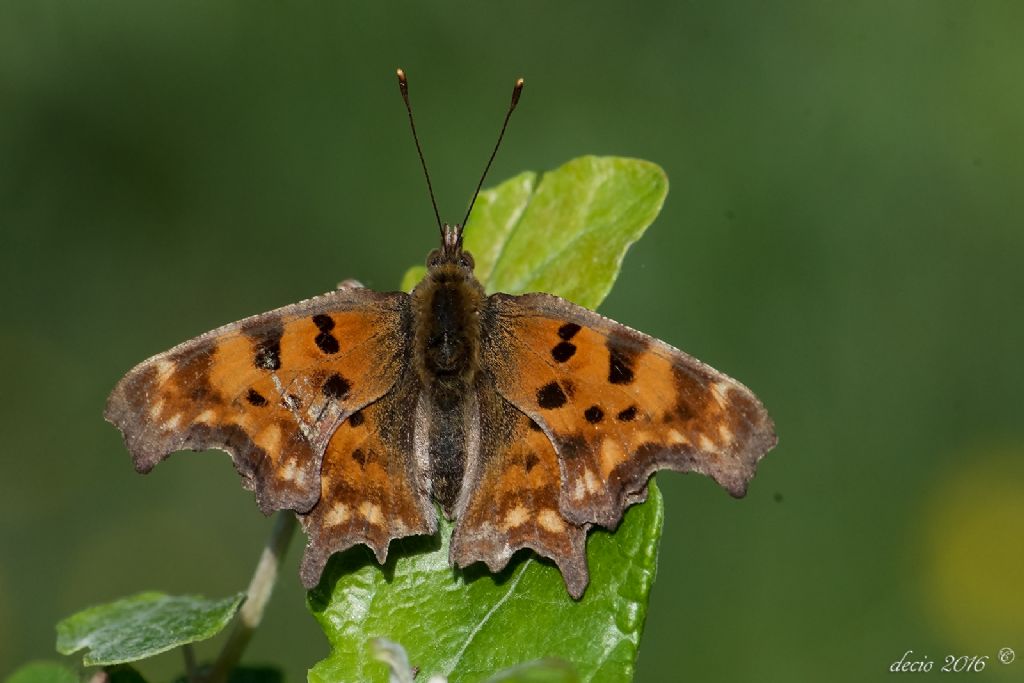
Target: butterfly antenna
(403, 85)
(517, 89)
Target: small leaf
(575, 231)
(143, 625)
(43, 672)
(566, 235)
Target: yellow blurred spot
(973, 575)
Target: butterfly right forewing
(619, 405)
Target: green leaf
(567, 235)
(468, 624)
(143, 625)
(43, 672)
(576, 228)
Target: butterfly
(527, 419)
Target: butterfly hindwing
(270, 390)
(510, 498)
(618, 405)
(372, 490)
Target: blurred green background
(844, 233)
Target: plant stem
(190, 662)
(260, 588)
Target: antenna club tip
(400, 73)
(517, 90)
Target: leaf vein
(494, 608)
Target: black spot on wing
(531, 461)
(336, 387)
(620, 369)
(627, 415)
(593, 414)
(326, 342)
(563, 351)
(324, 323)
(624, 347)
(568, 331)
(267, 352)
(356, 419)
(256, 398)
(550, 396)
(359, 456)
(534, 426)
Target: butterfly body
(446, 309)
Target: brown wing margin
(619, 405)
(270, 390)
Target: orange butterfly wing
(373, 489)
(270, 390)
(510, 498)
(618, 405)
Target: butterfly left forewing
(619, 405)
(270, 390)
